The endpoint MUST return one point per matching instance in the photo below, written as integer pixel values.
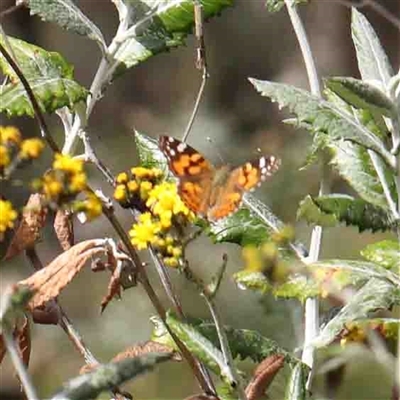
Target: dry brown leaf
(263, 376)
(28, 231)
(114, 289)
(64, 228)
(145, 348)
(48, 282)
(23, 338)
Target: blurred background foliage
(156, 98)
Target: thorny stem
(312, 304)
(35, 105)
(18, 364)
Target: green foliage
(109, 376)
(296, 388)
(149, 153)
(376, 294)
(360, 94)
(385, 253)
(354, 164)
(68, 16)
(331, 209)
(158, 26)
(373, 62)
(240, 228)
(321, 115)
(49, 75)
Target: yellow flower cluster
(163, 211)
(14, 150)
(64, 182)
(66, 179)
(351, 334)
(7, 216)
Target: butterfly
(208, 191)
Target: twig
(378, 8)
(18, 364)
(312, 304)
(35, 105)
(201, 63)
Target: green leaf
(362, 95)
(149, 152)
(51, 94)
(354, 164)
(244, 343)
(376, 294)
(356, 212)
(352, 272)
(310, 211)
(198, 344)
(109, 376)
(295, 287)
(276, 5)
(247, 344)
(252, 280)
(373, 62)
(34, 61)
(240, 228)
(322, 116)
(385, 253)
(50, 78)
(68, 16)
(159, 26)
(296, 388)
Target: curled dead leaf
(88, 368)
(51, 280)
(64, 228)
(28, 232)
(263, 376)
(114, 289)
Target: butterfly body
(213, 192)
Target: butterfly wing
(194, 172)
(226, 199)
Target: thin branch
(201, 64)
(376, 6)
(35, 105)
(312, 304)
(208, 295)
(18, 364)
